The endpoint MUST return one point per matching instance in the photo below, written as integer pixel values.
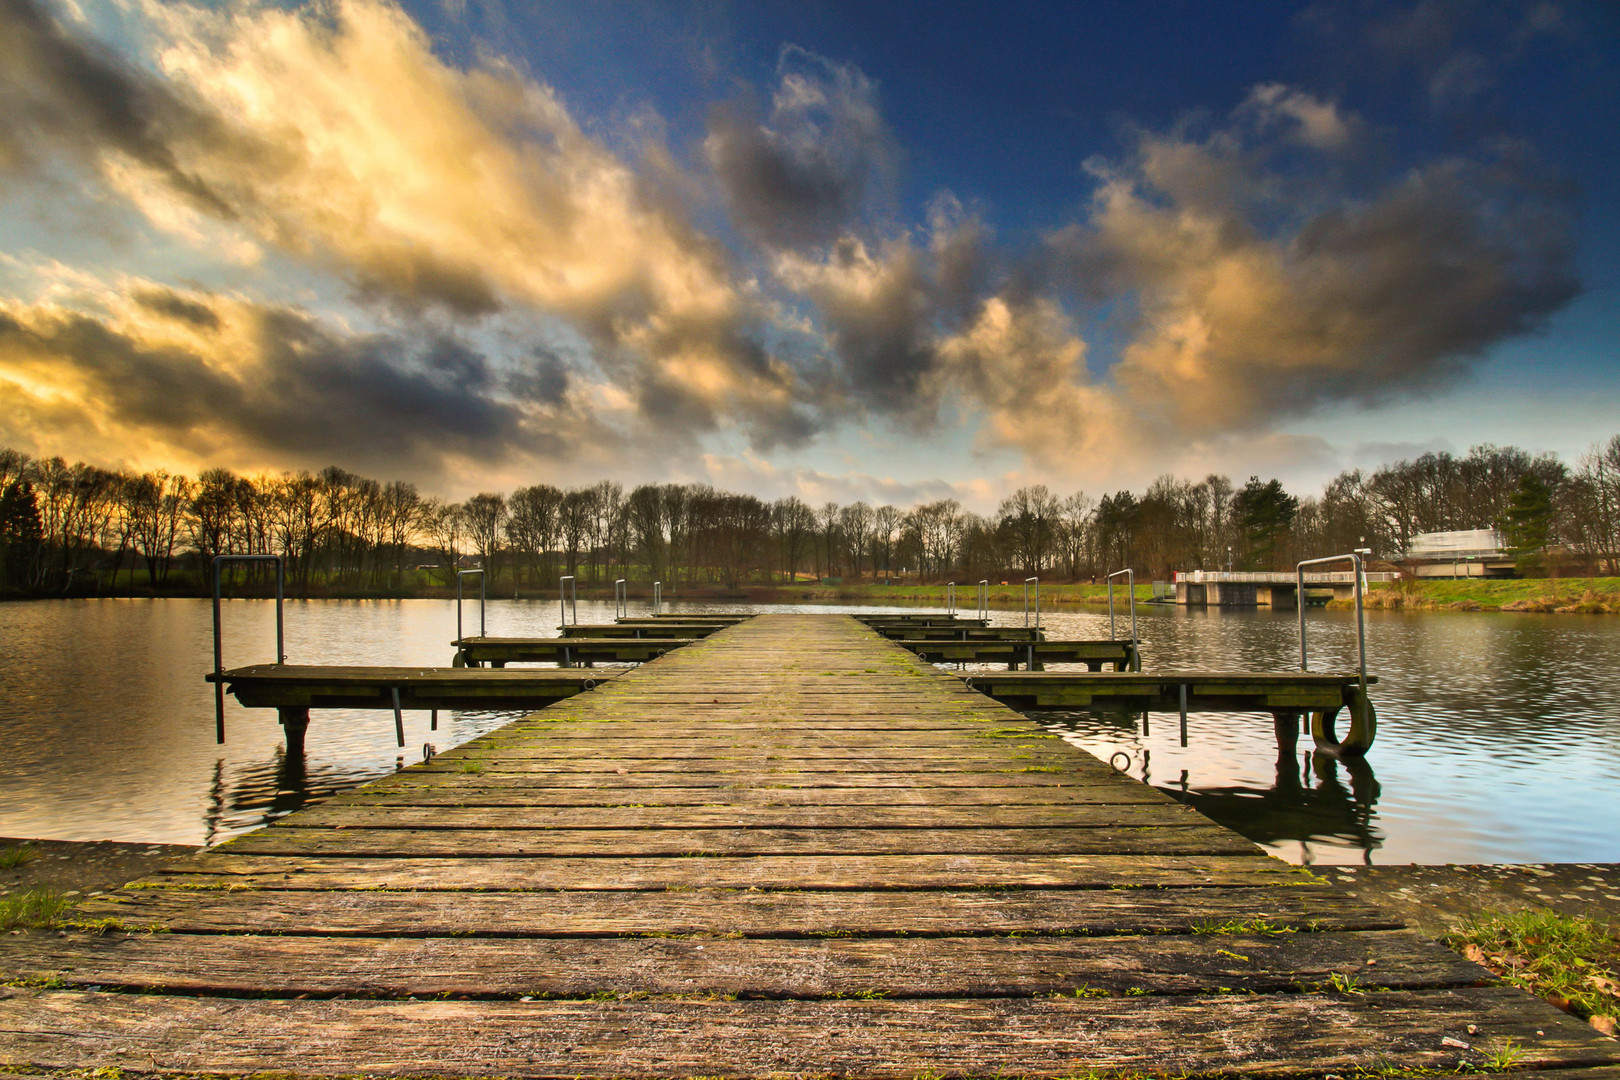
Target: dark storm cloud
(883, 328)
(411, 278)
(171, 304)
(308, 394)
(803, 174)
(1457, 257)
(61, 91)
(64, 94)
(1257, 300)
(885, 310)
(543, 378)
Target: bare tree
(885, 531)
(444, 528)
(855, 527)
(484, 517)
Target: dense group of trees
(83, 528)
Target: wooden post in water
(294, 722)
(1286, 723)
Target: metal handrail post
(483, 599)
(219, 641)
(950, 597)
(621, 599)
(1361, 621)
(1037, 582)
(1130, 576)
(658, 597)
(562, 597)
(984, 598)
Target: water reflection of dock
(1309, 804)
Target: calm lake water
(1497, 740)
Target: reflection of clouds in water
(247, 796)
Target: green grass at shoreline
(1574, 595)
(1600, 595)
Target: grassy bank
(1596, 596)
(1571, 962)
(1009, 595)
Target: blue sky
(847, 251)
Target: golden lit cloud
(193, 380)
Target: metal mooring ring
(588, 684)
(1114, 758)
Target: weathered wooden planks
(569, 651)
(316, 686)
(1276, 1034)
(790, 810)
(750, 912)
(1208, 691)
(285, 965)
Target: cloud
(209, 379)
(1259, 296)
(64, 94)
(333, 134)
(1023, 362)
(1257, 268)
(754, 476)
(1309, 120)
(878, 309)
(803, 174)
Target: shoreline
(1587, 596)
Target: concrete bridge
(1245, 588)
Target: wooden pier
(564, 651)
(791, 848)
(649, 629)
(1033, 654)
(293, 689)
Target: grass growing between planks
(1567, 960)
(34, 908)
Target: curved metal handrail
(562, 597)
(219, 645)
(483, 600)
(1361, 620)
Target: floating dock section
(790, 848)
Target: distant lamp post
(1228, 558)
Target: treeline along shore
(83, 530)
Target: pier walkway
(792, 847)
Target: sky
(893, 252)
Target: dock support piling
(1286, 724)
(294, 723)
(1183, 714)
(399, 719)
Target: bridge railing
(1270, 577)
